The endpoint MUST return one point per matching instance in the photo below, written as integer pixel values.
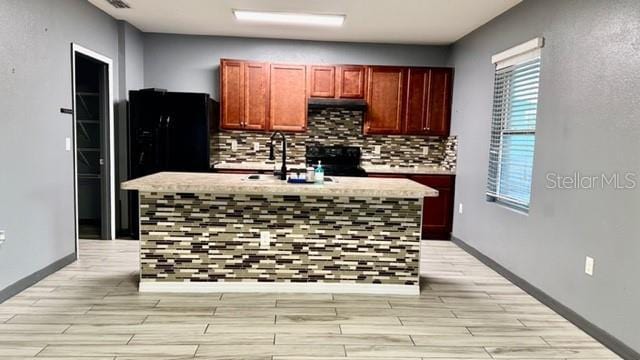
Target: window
(513, 126)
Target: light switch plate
(256, 146)
(377, 149)
(425, 150)
(234, 145)
(2, 237)
(67, 144)
(460, 208)
(589, 263)
(265, 239)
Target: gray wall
(588, 121)
(190, 63)
(131, 77)
(133, 57)
(36, 179)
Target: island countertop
(240, 184)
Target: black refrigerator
(168, 131)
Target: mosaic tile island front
(223, 232)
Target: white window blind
(513, 129)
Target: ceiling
(378, 21)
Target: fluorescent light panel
(289, 18)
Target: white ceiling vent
(119, 4)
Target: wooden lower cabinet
(437, 216)
(237, 171)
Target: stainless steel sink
(270, 177)
(261, 177)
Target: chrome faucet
(283, 170)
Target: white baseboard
(275, 287)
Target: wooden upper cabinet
(416, 107)
(385, 97)
(428, 107)
(231, 94)
(322, 81)
(288, 98)
(244, 95)
(351, 82)
(256, 96)
(438, 121)
(400, 100)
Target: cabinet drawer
(386, 175)
(434, 181)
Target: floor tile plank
(151, 351)
(280, 350)
(388, 352)
(367, 339)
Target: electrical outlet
(234, 145)
(256, 146)
(425, 150)
(265, 239)
(460, 208)
(589, 263)
(377, 149)
(67, 144)
(2, 237)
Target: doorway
(93, 144)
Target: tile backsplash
(333, 126)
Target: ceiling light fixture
(289, 18)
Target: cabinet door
(385, 97)
(351, 82)
(231, 94)
(439, 102)
(322, 81)
(437, 213)
(386, 175)
(416, 108)
(288, 98)
(256, 96)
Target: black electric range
(337, 160)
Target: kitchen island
(225, 232)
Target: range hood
(351, 104)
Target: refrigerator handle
(167, 144)
(156, 143)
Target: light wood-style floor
(91, 309)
